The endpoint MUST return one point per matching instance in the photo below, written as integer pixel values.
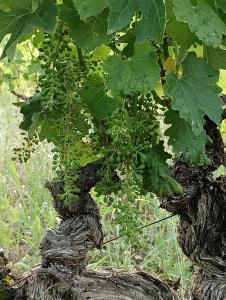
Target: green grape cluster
(126, 205)
(60, 113)
(125, 140)
(60, 85)
(63, 117)
(66, 165)
(63, 74)
(23, 153)
(126, 137)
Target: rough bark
(5, 292)
(202, 226)
(47, 284)
(62, 274)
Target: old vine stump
(202, 226)
(63, 274)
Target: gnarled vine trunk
(202, 237)
(202, 226)
(63, 275)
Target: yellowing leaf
(170, 65)
(85, 153)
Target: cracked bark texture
(107, 284)
(63, 275)
(6, 293)
(202, 226)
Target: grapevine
(131, 92)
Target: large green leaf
(157, 174)
(19, 18)
(140, 73)
(120, 15)
(216, 57)
(184, 141)
(87, 35)
(181, 33)
(152, 23)
(100, 105)
(202, 20)
(195, 93)
(89, 8)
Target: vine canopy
(151, 67)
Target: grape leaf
(216, 57)
(221, 4)
(157, 174)
(87, 35)
(198, 19)
(100, 105)
(89, 8)
(101, 53)
(193, 95)
(181, 33)
(183, 140)
(36, 117)
(53, 131)
(20, 17)
(84, 152)
(120, 14)
(152, 23)
(140, 73)
(169, 10)
(46, 13)
(49, 129)
(223, 129)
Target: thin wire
(140, 227)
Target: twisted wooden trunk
(202, 237)
(202, 226)
(63, 273)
